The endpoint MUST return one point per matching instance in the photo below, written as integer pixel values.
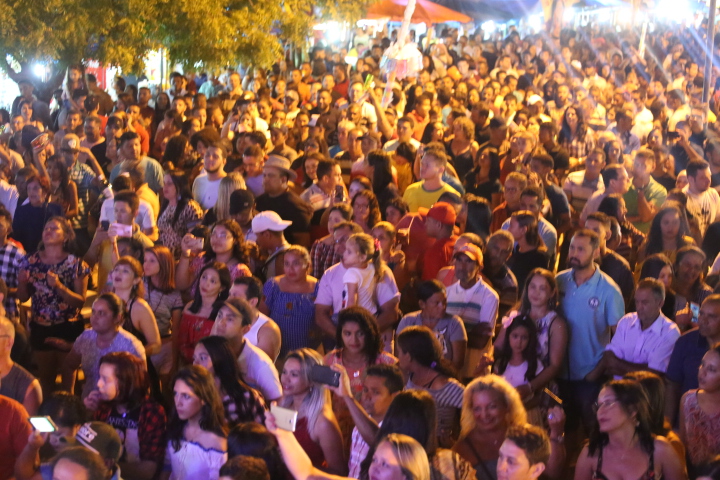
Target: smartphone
(122, 230)
(695, 309)
(673, 135)
(197, 243)
(554, 399)
(325, 375)
(41, 141)
(105, 225)
(285, 418)
(43, 424)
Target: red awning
(425, 12)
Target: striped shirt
(448, 405)
(478, 304)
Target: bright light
(568, 14)
(39, 70)
(488, 27)
(536, 22)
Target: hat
(293, 94)
(279, 126)
(100, 438)
(269, 220)
(70, 142)
(281, 163)
(241, 200)
(534, 99)
(443, 213)
(472, 251)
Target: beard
(576, 264)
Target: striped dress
(293, 312)
(448, 403)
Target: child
(365, 269)
(517, 359)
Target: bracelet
(559, 439)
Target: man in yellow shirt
(427, 191)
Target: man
(146, 215)
(269, 228)
(278, 137)
(40, 108)
(19, 384)
(427, 191)
(130, 151)
(326, 116)
(524, 453)
(330, 298)
(104, 98)
(367, 111)
(623, 130)
(592, 304)
(78, 463)
(475, 302)
(696, 121)
(322, 193)
(405, 129)
(421, 114)
(439, 224)
(682, 149)
(563, 99)
(643, 340)
(496, 255)
(580, 185)
(645, 196)
(614, 265)
(83, 177)
(93, 134)
(147, 113)
(263, 332)
(680, 109)
(616, 180)
(543, 165)
(73, 120)
(278, 197)
(536, 106)
(703, 202)
(591, 76)
(205, 187)
(531, 199)
(342, 84)
(515, 184)
(256, 367)
(135, 119)
(253, 162)
(561, 158)
(688, 352)
(328, 83)
(179, 85)
(347, 158)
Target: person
(420, 357)
(253, 164)
(524, 454)
(689, 285)
(517, 360)
(56, 280)
(515, 184)
(579, 186)
(254, 440)
(121, 398)
(439, 224)
(644, 339)
(205, 187)
(699, 415)
(14, 432)
(323, 252)
(106, 335)
(616, 180)
(431, 185)
(78, 463)
(10, 255)
(244, 468)
(256, 367)
(585, 292)
(530, 251)
(83, 177)
(130, 150)
(483, 179)
(221, 210)
(16, 382)
(200, 314)
(31, 217)
(242, 403)
(660, 267)
(289, 299)
(63, 192)
(264, 333)
(386, 235)
(179, 212)
(496, 254)
(645, 196)
(316, 429)
(623, 427)
(364, 273)
(703, 202)
(366, 210)
(448, 329)
(166, 305)
(669, 232)
(196, 430)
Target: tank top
(252, 334)
(15, 383)
(128, 324)
(312, 448)
(648, 475)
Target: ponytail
(370, 247)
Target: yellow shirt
(416, 196)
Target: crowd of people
(508, 272)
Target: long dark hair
(524, 306)
(226, 369)
(373, 206)
(654, 387)
(581, 131)
(610, 206)
(175, 150)
(132, 377)
(423, 347)
(225, 282)
(212, 417)
(64, 175)
(529, 354)
(654, 238)
(179, 179)
(632, 399)
(412, 413)
(240, 250)
(254, 440)
(367, 323)
(479, 215)
(653, 265)
(382, 174)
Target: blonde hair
(233, 181)
(410, 455)
(516, 414)
(318, 398)
(366, 246)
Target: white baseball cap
(269, 220)
(534, 99)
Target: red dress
(192, 329)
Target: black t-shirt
(485, 189)
(522, 263)
(558, 202)
(290, 207)
(560, 156)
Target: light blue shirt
(590, 309)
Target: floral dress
(171, 234)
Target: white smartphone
(198, 243)
(43, 424)
(284, 417)
(122, 230)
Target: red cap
(443, 213)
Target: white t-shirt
(515, 374)
(145, 217)
(9, 197)
(259, 372)
(364, 278)
(205, 191)
(705, 207)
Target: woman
(56, 280)
(30, 218)
(316, 429)
(575, 136)
(624, 437)
(420, 357)
(241, 402)
(475, 216)
(221, 211)
(434, 132)
(669, 232)
(529, 251)
(366, 210)
(162, 105)
(386, 235)
(613, 152)
(254, 440)
(106, 335)
(227, 245)
(122, 399)
(166, 305)
(700, 413)
(403, 159)
(483, 180)
(660, 267)
(540, 302)
(463, 148)
(63, 192)
(139, 320)
(177, 155)
(689, 285)
(196, 432)
(179, 212)
(199, 315)
(614, 206)
(322, 252)
(380, 171)
(448, 329)
(289, 299)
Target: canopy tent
(425, 12)
(503, 10)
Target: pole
(709, 52)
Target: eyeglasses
(607, 404)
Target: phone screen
(43, 424)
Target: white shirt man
(703, 202)
(259, 372)
(205, 187)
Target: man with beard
(592, 304)
(205, 187)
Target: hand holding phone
(285, 418)
(43, 424)
(120, 230)
(324, 375)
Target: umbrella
(425, 12)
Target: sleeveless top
(252, 334)
(484, 469)
(702, 431)
(312, 448)
(648, 475)
(128, 324)
(15, 384)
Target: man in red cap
(439, 225)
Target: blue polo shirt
(686, 358)
(590, 309)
